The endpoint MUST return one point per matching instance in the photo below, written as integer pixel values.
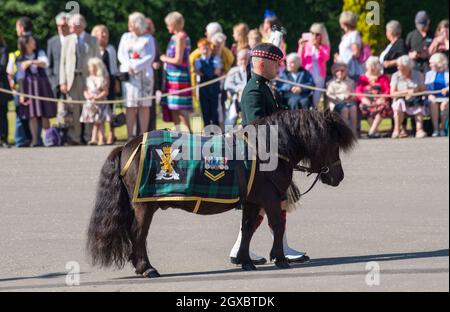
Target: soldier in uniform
(257, 102)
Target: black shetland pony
(118, 228)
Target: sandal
(421, 134)
(403, 134)
(395, 135)
(92, 143)
(111, 140)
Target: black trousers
(209, 102)
(4, 121)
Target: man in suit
(77, 49)
(54, 46)
(257, 102)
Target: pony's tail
(109, 240)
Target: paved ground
(392, 208)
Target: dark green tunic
(257, 100)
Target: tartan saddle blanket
(185, 167)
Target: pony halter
(310, 171)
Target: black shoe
(4, 144)
(375, 135)
(25, 144)
(261, 261)
(71, 142)
(301, 259)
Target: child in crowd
(207, 68)
(254, 38)
(240, 36)
(97, 86)
(234, 85)
(338, 91)
(33, 80)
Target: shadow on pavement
(231, 274)
(43, 276)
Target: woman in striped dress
(176, 61)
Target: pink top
(365, 86)
(322, 58)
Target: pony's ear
(340, 132)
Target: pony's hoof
(259, 261)
(282, 264)
(249, 267)
(151, 273)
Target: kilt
(185, 167)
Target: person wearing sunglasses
(314, 52)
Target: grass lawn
(196, 122)
(121, 132)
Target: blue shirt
(206, 68)
(439, 84)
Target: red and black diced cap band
(268, 51)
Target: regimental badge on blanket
(215, 167)
(168, 167)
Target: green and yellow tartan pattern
(196, 183)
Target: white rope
(152, 97)
(207, 83)
(364, 94)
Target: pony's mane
(309, 132)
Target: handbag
(415, 100)
(52, 137)
(166, 114)
(354, 69)
(122, 76)
(118, 120)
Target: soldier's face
(271, 69)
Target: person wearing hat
(257, 102)
(257, 99)
(418, 42)
(339, 91)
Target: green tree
(370, 27)
(296, 15)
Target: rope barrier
(104, 102)
(364, 94)
(207, 83)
